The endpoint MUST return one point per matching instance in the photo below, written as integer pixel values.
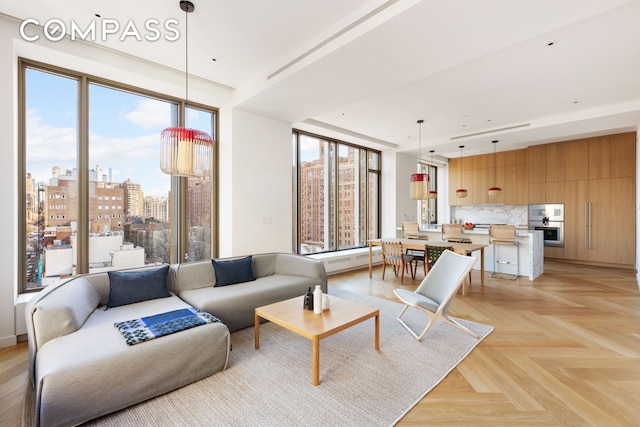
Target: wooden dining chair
(432, 255)
(393, 254)
(411, 230)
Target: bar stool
(504, 235)
(411, 230)
(453, 233)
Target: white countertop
(480, 231)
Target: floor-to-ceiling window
(94, 195)
(200, 213)
(337, 194)
(120, 231)
(51, 196)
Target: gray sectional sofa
(81, 367)
(279, 276)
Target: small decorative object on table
(317, 300)
(308, 300)
(468, 226)
(325, 302)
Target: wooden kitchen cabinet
(537, 192)
(536, 161)
(599, 225)
(612, 156)
(576, 235)
(522, 184)
(460, 179)
(595, 179)
(612, 221)
(482, 180)
(554, 162)
(622, 155)
(576, 160)
(554, 192)
(510, 187)
(478, 175)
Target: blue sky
(124, 131)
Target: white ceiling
(366, 71)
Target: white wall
(406, 209)
(8, 161)
(260, 187)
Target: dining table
(421, 245)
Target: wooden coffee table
(290, 315)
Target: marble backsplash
(492, 214)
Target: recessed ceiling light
(576, 102)
(214, 59)
(97, 15)
(551, 43)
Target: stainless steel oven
(548, 218)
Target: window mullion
(82, 234)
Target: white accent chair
(435, 293)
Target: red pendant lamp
(461, 193)
(183, 151)
(494, 191)
(419, 182)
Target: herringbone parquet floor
(565, 352)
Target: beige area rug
(272, 386)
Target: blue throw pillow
(233, 271)
(128, 287)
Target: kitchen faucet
(429, 215)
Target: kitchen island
(531, 256)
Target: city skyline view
(119, 122)
(129, 221)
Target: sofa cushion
(235, 305)
(128, 287)
(233, 271)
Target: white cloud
(135, 158)
(149, 114)
(48, 146)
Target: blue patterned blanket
(147, 328)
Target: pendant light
(183, 151)
(419, 182)
(433, 194)
(461, 193)
(495, 190)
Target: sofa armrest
(299, 265)
(58, 310)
